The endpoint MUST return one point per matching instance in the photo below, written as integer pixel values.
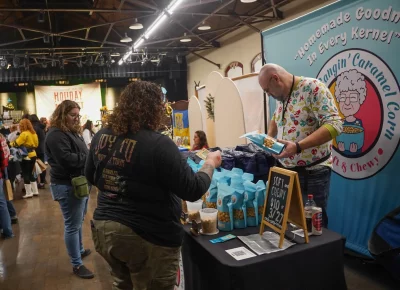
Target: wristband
(298, 148)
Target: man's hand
(290, 149)
(215, 158)
(213, 161)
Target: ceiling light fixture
(204, 26)
(162, 17)
(115, 54)
(126, 38)
(136, 26)
(185, 38)
(41, 17)
(248, 1)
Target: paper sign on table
(240, 253)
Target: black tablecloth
(317, 265)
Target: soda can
(317, 221)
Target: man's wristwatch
(298, 147)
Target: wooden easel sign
(283, 203)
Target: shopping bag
(37, 169)
(42, 166)
(8, 191)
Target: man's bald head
(275, 80)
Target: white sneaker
(28, 191)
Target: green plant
(210, 107)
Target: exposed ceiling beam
(22, 33)
(215, 11)
(87, 33)
(92, 40)
(206, 59)
(3, 9)
(20, 41)
(245, 23)
(219, 15)
(143, 4)
(171, 39)
(263, 12)
(105, 38)
(197, 3)
(121, 4)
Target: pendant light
(185, 38)
(204, 26)
(136, 25)
(126, 38)
(248, 1)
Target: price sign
(276, 198)
(283, 202)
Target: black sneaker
(83, 272)
(86, 253)
(41, 186)
(6, 237)
(14, 220)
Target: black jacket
(143, 183)
(41, 137)
(66, 153)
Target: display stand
(283, 203)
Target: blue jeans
(73, 210)
(5, 220)
(317, 184)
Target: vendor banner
(88, 97)
(352, 46)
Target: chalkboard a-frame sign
(283, 203)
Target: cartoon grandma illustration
(350, 92)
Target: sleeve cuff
(331, 130)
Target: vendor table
(317, 265)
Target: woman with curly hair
(28, 139)
(141, 179)
(66, 152)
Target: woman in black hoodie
(38, 127)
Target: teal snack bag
(265, 142)
(236, 204)
(212, 193)
(225, 216)
(259, 200)
(248, 204)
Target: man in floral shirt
(306, 120)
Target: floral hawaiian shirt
(310, 106)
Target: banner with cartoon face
(352, 47)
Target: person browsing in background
(136, 226)
(8, 214)
(306, 120)
(28, 139)
(200, 141)
(67, 152)
(88, 133)
(40, 149)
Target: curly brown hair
(59, 117)
(26, 125)
(140, 107)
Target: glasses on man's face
(353, 97)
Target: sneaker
(86, 253)
(6, 237)
(14, 220)
(83, 272)
(47, 163)
(41, 186)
